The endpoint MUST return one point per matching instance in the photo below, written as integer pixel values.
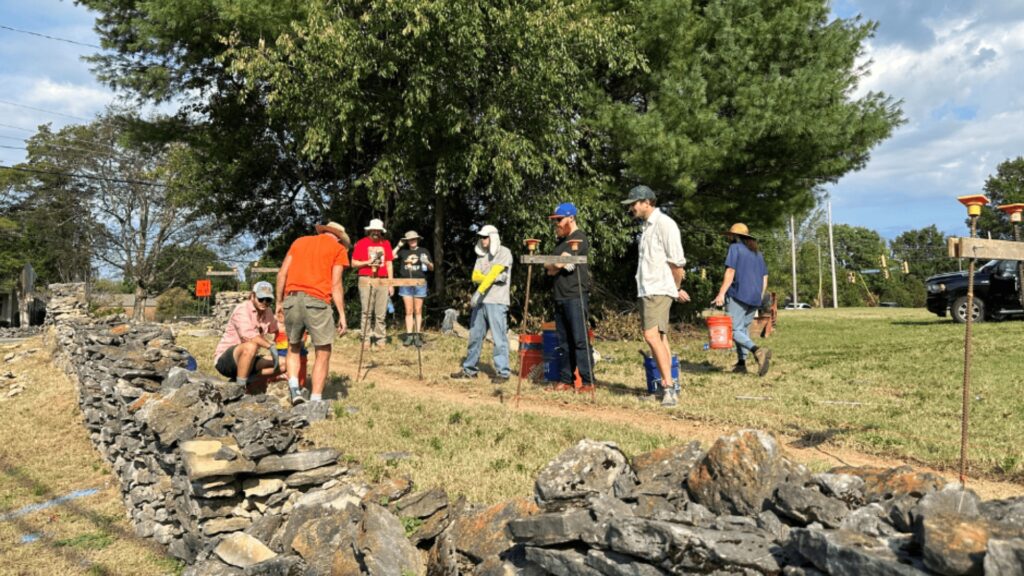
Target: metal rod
(531, 246)
(965, 406)
(362, 346)
(575, 246)
(419, 352)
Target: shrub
(174, 303)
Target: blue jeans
(573, 348)
(413, 291)
(742, 316)
(495, 317)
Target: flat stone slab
(214, 457)
(261, 486)
(297, 461)
(242, 550)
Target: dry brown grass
(46, 453)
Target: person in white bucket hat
(373, 258)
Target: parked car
(996, 292)
(798, 306)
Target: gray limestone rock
(1005, 557)
(1009, 511)
(281, 565)
(421, 504)
(806, 505)
(242, 550)
(552, 527)
(846, 487)
(613, 564)
(316, 476)
(382, 544)
(588, 468)
(663, 472)
(560, 562)
(739, 473)
(845, 553)
(297, 461)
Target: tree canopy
(1006, 186)
(439, 115)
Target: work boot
(764, 358)
(407, 339)
(739, 368)
(585, 389)
(670, 399)
(499, 379)
(417, 339)
(462, 375)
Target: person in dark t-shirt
(571, 285)
(412, 261)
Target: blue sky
(958, 66)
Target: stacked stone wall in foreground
(224, 481)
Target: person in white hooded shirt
(489, 305)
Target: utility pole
(832, 255)
(792, 245)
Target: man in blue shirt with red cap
(572, 300)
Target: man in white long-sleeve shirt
(659, 278)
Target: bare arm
(730, 275)
(282, 278)
(678, 274)
(338, 296)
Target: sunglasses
(265, 300)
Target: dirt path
(567, 405)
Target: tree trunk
(439, 234)
(139, 311)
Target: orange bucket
(720, 332)
(531, 354)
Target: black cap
(640, 192)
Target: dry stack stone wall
(224, 481)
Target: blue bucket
(552, 363)
(654, 376)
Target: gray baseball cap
(263, 290)
(640, 192)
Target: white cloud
(65, 97)
(959, 69)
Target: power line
(48, 37)
(84, 176)
(43, 110)
(13, 127)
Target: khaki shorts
(654, 312)
(303, 312)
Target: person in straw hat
(413, 262)
(373, 257)
(308, 281)
(746, 279)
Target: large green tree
(924, 250)
(441, 114)
(1006, 186)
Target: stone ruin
(226, 483)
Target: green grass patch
(87, 541)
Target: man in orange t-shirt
(309, 279)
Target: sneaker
(462, 375)
(499, 379)
(407, 339)
(417, 340)
(670, 399)
(296, 397)
(739, 369)
(764, 358)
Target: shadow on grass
(65, 548)
(336, 387)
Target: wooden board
(984, 248)
(384, 282)
(259, 270)
(538, 259)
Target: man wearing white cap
(373, 257)
(489, 302)
(309, 279)
(252, 327)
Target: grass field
(881, 381)
(46, 454)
